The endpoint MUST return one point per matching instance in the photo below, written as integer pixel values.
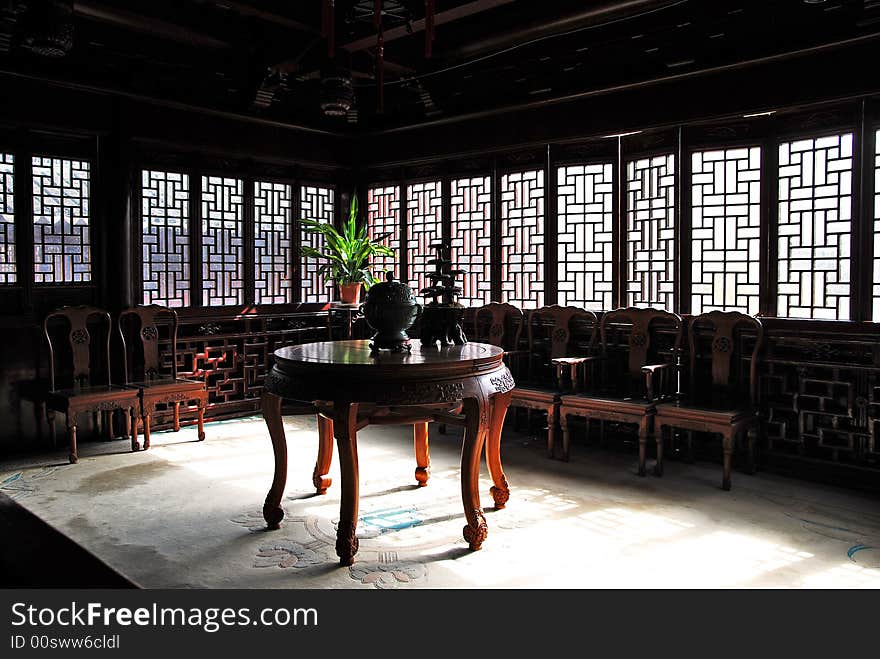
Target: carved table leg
(202, 404)
(177, 416)
(73, 457)
(320, 477)
(345, 429)
(474, 437)
(272, 512)
(423, 457)
(500, 490)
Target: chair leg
(50, 420)
(146, 420)
(320, 476)
(566, 435)
(643, 445)
(551, 431)
(201, 422)
(602, 433)
(96, 423)
(423, 456)
(689, 438)
(177, 416)
(528, 420)
(658, 439)
(131, 423)
(751, 439)
(72, 456)
(727, 447)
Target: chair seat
(177, 384)
(628, 406)
(525, 393)
(98, 395)
(694, 413)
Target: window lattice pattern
(423, 213)
(726, 230)
(876, 315)
(62, 242)
(222, 241)
(650, 224)
(522, 238)
(815, 204)
(316, 203)
(586, 218)
(383, 216)
(165, 238)
(272, 246)
(7, 219)
(471, 206)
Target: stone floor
(186, 514)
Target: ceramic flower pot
(350, 293)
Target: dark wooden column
(551, 229)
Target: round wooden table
(466, 385)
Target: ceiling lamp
(337, 94)
(49, 28)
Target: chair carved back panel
(724, 351)
(498, 324)
(79, 339)
(556, 331)
(635, 337)
(148, 336)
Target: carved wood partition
(233, 353)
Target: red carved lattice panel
(585, 206)
(316, 203)
(424, 206)
(7, 219)
(471, 210)
(222, 241)
(726, 230)
(272, 244)
(383, 216)
(522, 197)
(165, 238)
(876, 315)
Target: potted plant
(347, 253)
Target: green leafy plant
(347, 253)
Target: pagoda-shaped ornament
(441, 317)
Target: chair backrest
(80, 341)
(148, 334)
(556, 331)
(498, 324)
(636, 337)
(724, 350)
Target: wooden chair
(724, 350)
(553, 332)
(83, 395)
(153, 387)
(498, 324)
(634, 370)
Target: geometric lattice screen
(522, 238)
(316, 203)
(815, 204)
(876, 316)
(7, 219)
(165, 238)
(423, 212)
(222, 241)
(650, 232)
(585, 205)
(471, 210)
(62, 246)
(383, 216)
(726, 230)
(272, 245)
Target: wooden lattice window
(726, 230)
(316, 203)
(222, 241)
(876, 315)
(650, 227)
(585, 207)
(272, 244)
(383, 216)
(7, 219)
(424, 206)
(522, 238)
(165, 238)
(62, 212)
(471, 210)
(815, 208)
